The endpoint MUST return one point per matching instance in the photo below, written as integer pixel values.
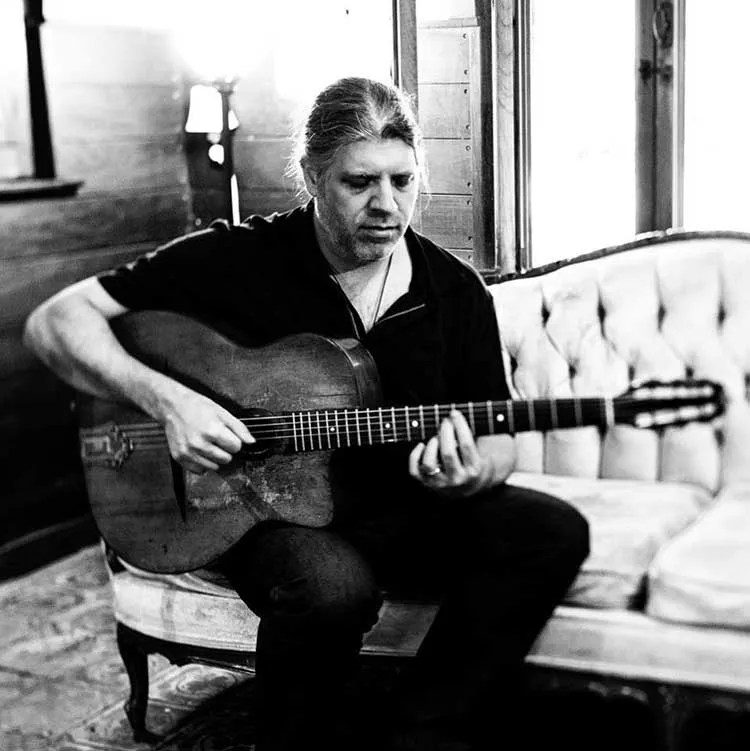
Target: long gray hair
(354, 109)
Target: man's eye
(358, 183)
(403, 181)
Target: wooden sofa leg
(135, 659)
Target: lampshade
(204, 111)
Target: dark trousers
(498, 563)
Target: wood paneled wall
(451, 99)
(116, 110)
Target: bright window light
(717, 116)
(582, 127)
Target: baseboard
(43, 546)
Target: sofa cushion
(629, 521)
(703, 576)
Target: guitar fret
(310, 428)
(336, 423)
(320, 435)
(328, 430)
(471, 418)
(393, 420)
(437, 417)
(490, 421)
(369, 426)
(511, 416)
(346, 427)
(382, 429)
(294, 432)
(577, 411)
(609, 412)
(406, 422)
(356, 421)
(421, 421)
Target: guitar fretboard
(314, 430)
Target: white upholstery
(703, 575)
(196, 613)
(633, 646)
(661, 311)
(629, 521)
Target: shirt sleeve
(173, 277)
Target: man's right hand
(201, 434)
(70, 332)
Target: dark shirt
(267, 278)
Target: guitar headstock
(655, 403)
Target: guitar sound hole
(259, 450)
(263, 447)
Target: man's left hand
(450, 462)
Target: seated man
(436, 518)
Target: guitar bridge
(105, 446)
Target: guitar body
(159, 518)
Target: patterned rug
(62, 683)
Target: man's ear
(311, 177)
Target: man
(436, 519)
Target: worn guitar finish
(302, 397)
(161, 519)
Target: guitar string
(314, 441)
(358, 416)
(374, 415)
(310, 431)
(321, 438)
(539, 405)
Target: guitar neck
(337, 428)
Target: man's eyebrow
(363, 175)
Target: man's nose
(383, 197)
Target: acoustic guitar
(302, 397)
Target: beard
(353, 243)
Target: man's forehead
(372, 157)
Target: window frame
(43, 182)
(659, 81)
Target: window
(15, 133)
(27, 166)
(626, 117)
(717, 116)
(582, 126)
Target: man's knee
(313, 576)
(329, 595)
(511, 517)
(572, 534)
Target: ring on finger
(432, 471)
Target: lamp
(210, 112)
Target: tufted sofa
(661, 609)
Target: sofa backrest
(666, 306)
